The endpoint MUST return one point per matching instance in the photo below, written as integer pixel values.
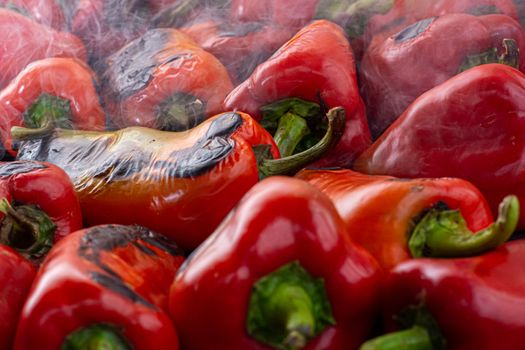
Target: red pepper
(313, 71)
(63, 88)
(38, 207)
(451, 131)
(164, 80)
(17, 275)
(281, 12)
(39, 41)
(397, 219)
(107, 25)
(47, 12)
(432, 50)
(179, 184)
(457, 304)
(240, 46)
(102, 287)
(298, 280)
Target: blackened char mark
(19, 167)
(206, 152)
(482, 10)
(132, 68)
(413, 30)
(110, 237)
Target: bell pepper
(451, 131)
(299, 282)
(456, 304)
(47, 12)
(106, 25)
(289, 92)
(17, 275)
(104, 287)
(281, 12)
(38, 207)
(164, 80)
(431, 50)
(63, 88)
(39, 41)
(240, 46)
(397, 219)
(179, 184)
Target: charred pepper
(299, 282)
(397, 219)
(451, 131)
(179, 184)
(105, 287)
(62, 88)
(288, 93)
(164, 80)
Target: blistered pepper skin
(380, 211)
(449, 131)
(253, 242)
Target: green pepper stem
(415, 338)
(96, 337)
(180, 112)
(47, 107)
(19, 133)
(27, 229)
(510, 56)
(445, 233)
(289, 165)
(291, 130)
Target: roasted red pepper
(397, 219)
(38, 206)
(25, 41)
(105, 287)
(164, 80)
(46, 12)
(313, 71)
(299, 282)
(240, 46)
(17, 275)
(451, 131)
(282, 12)
(62, 88)
(179, 184)
(457, 304)
(432, 51)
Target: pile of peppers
(258, 175)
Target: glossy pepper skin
(316, 65)
(431, 50)
(47, 187)
(449, 131)
(114, 275)
(17, 275)
(39, 41)
(164, 80)
(382, 212)
(47, 12)
(476, 302)
(68, 79)
(251, 243)
(240, 46)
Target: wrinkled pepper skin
(46, 186)
(380, 211)
(179, 184)
(477, 302)
(114, 275)
(106, 25)
(316, 65)
(432, 51)
(253, 242)
(150, 71)
(39, 41)
(66, 78)
(240, 46)
(46, 12)
(449, 131)
(17, 275)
